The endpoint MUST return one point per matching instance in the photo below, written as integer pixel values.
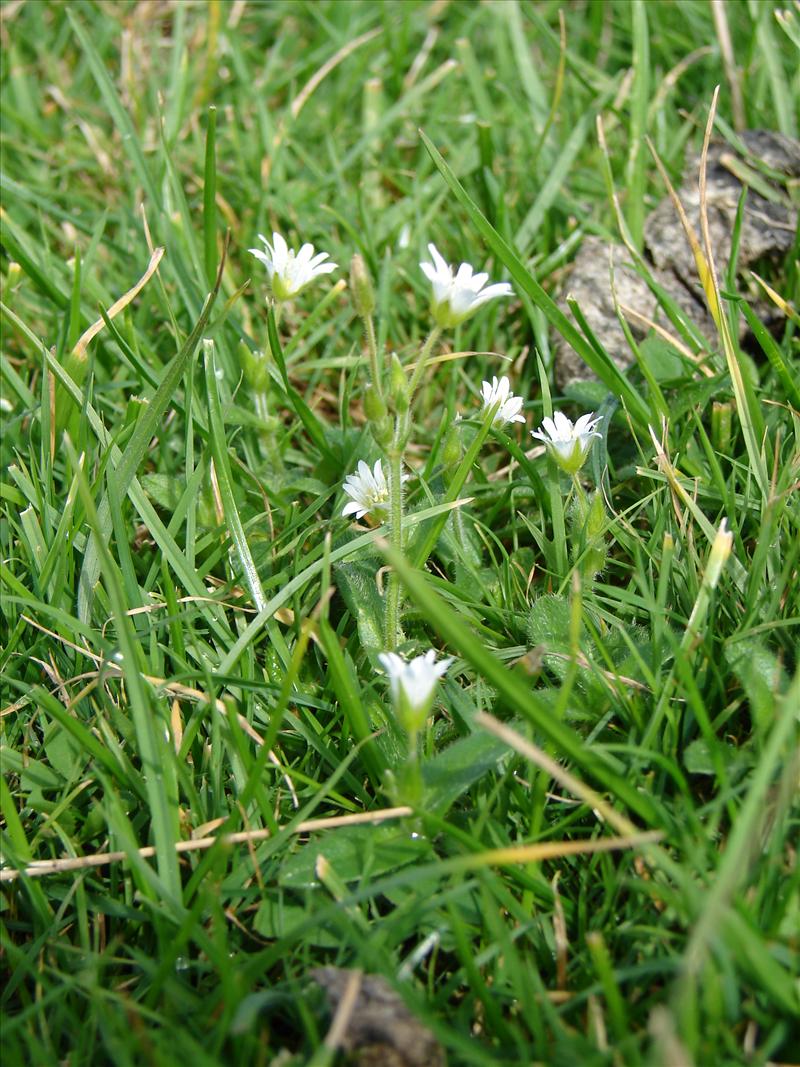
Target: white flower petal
(291, 271)
(499, 395)
(457, 296)
(569, 443)
(413, 682)
(439, 261)
(369, 490)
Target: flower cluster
(456, 294)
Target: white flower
(456, 297)
(290, 271)
(369, 490)
(412, 685)
(568, 444)
(499, 392)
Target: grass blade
(146, 427)
(219, 449)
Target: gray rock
(381, 1031)
(768, 231)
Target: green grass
(156, 619)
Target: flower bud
(255, 366)
(452, 449)
(361, 287)
(720, 550)
(398, 384)
(374, 405)
(383, 431)
(412, 686)
(596, 519)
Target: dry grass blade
(703, 270)
(101, 859)
(564, 777)
(749, 415)
(780, 302)
(718, 10)
(553, 850)
(341, 1020)
(302, 97)
(119, 305)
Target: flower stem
(396, 535)
(372, 348)
(426, 542)
(399, 441)
(422, 362)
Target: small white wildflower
(290, 271)
(568, 443)
(457, 296)
(499, 392)
(412, 685)
(369, 490)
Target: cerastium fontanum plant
(377, 492)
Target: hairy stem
(372, 349)
(422, 362)
(396, 533)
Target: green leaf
(138, 445)
(356, 582)
(342, 676)
(277, 918)
(303, 411)
(786, 376)
(452, 772)
(354, 852)
(166, 491)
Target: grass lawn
(569, 834)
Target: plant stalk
(396, 537)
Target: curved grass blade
(156, 755)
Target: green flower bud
(596, 519)
(452, 449)
(383, 431)
(718, 557)
(255, 366)
(374, 405)
(398, 385)
(361, 287)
